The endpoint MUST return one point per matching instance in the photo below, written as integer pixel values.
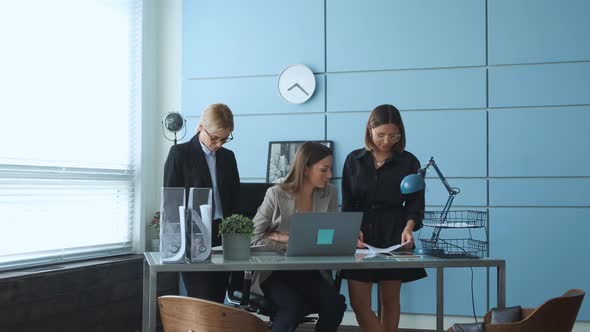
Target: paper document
(385, 250)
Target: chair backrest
(182, 314)
(556, 315)
(250, 197)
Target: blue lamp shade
(412, 183)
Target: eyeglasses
(215, 139)
(391, 137)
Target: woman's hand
(278, 237)
(360, 243)
(408, 236)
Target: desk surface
(274, 261)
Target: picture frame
(281, 155)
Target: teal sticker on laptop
(325, 236)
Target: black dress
(376, 193)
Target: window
(69, 155)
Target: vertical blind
(71, 91)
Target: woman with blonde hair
(203, 162)
(371, 184)
(296, 293)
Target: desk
(276, 262)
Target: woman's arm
(235, 184)
(414, 205)
(263, 222)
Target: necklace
(380, 163)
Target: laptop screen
(324, 233)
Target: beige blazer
(275, 215)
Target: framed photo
(281, 155)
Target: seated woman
(295, 293)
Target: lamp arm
(451, 190)
(452, 193)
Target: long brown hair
(307, 154)
(385, 114)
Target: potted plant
(236, 233)
(154, 227)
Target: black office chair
(250, 198)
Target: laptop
(324, 233)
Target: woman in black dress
(371, 184)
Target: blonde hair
(385, 114)
(217, 117)
(307, 154)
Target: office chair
(181, 314)
(250, 197)
(556, 315)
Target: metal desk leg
(502, 285)
(150, 286)
(440, 298)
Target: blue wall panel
(456, 140)
(408, 90)
(540, 142)
(237, 38)
(404, 34)
(253, 133)
(250, 95)
(545, 250)
(540, 192)
(540, 85)
(532, 31)
(473, 191)
(191, 127)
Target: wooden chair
(182, 314)
(556, 315)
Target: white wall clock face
(296, 84)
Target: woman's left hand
(407, 236)
(279, 237)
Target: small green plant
(236, 223)
(155, 224)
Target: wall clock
(296, 84)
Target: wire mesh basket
(457, 248)
(455, 219)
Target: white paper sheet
(385, 250)
(206, 217)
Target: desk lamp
(174, 122)
(415, 182)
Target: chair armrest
(527, 312)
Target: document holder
(172, 226)
(199, 224)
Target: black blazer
(186, 166)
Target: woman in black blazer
(203, 162)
